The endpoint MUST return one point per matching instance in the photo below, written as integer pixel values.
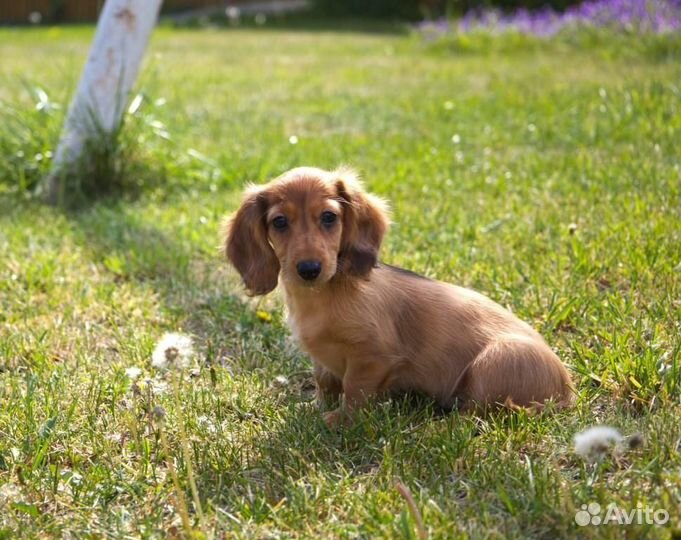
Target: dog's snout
(309, 270)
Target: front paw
(334, 419)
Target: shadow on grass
(298, 448)
(194, 288)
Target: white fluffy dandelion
(173, 351)
(594, 443)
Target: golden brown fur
(371, 328)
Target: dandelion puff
(595, 442)
(173, 351)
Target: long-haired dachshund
(371, 328)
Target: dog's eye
(328, 218)
(279, 223)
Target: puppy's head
(309, 225)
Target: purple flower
(642, 16)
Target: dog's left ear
(365, 222)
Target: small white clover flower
(207, 424)
(173, 351)
(158, 386)
(10, 493)
(595, 442)
(133, 372)
(155, 386)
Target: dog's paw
(334, 419)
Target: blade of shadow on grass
(196, 291)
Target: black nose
(309, 270)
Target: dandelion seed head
(171, 354)
(595, 442)
(173, 351)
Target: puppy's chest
(321, 339)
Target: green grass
(547, 137)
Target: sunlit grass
(548, 180)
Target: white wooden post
(117, 50)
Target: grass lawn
(547, 178)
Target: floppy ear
(247, 247)
(365, 222)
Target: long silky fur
(371, 328)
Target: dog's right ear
(247, 247)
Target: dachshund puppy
(371, 328)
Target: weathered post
(117, 50)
